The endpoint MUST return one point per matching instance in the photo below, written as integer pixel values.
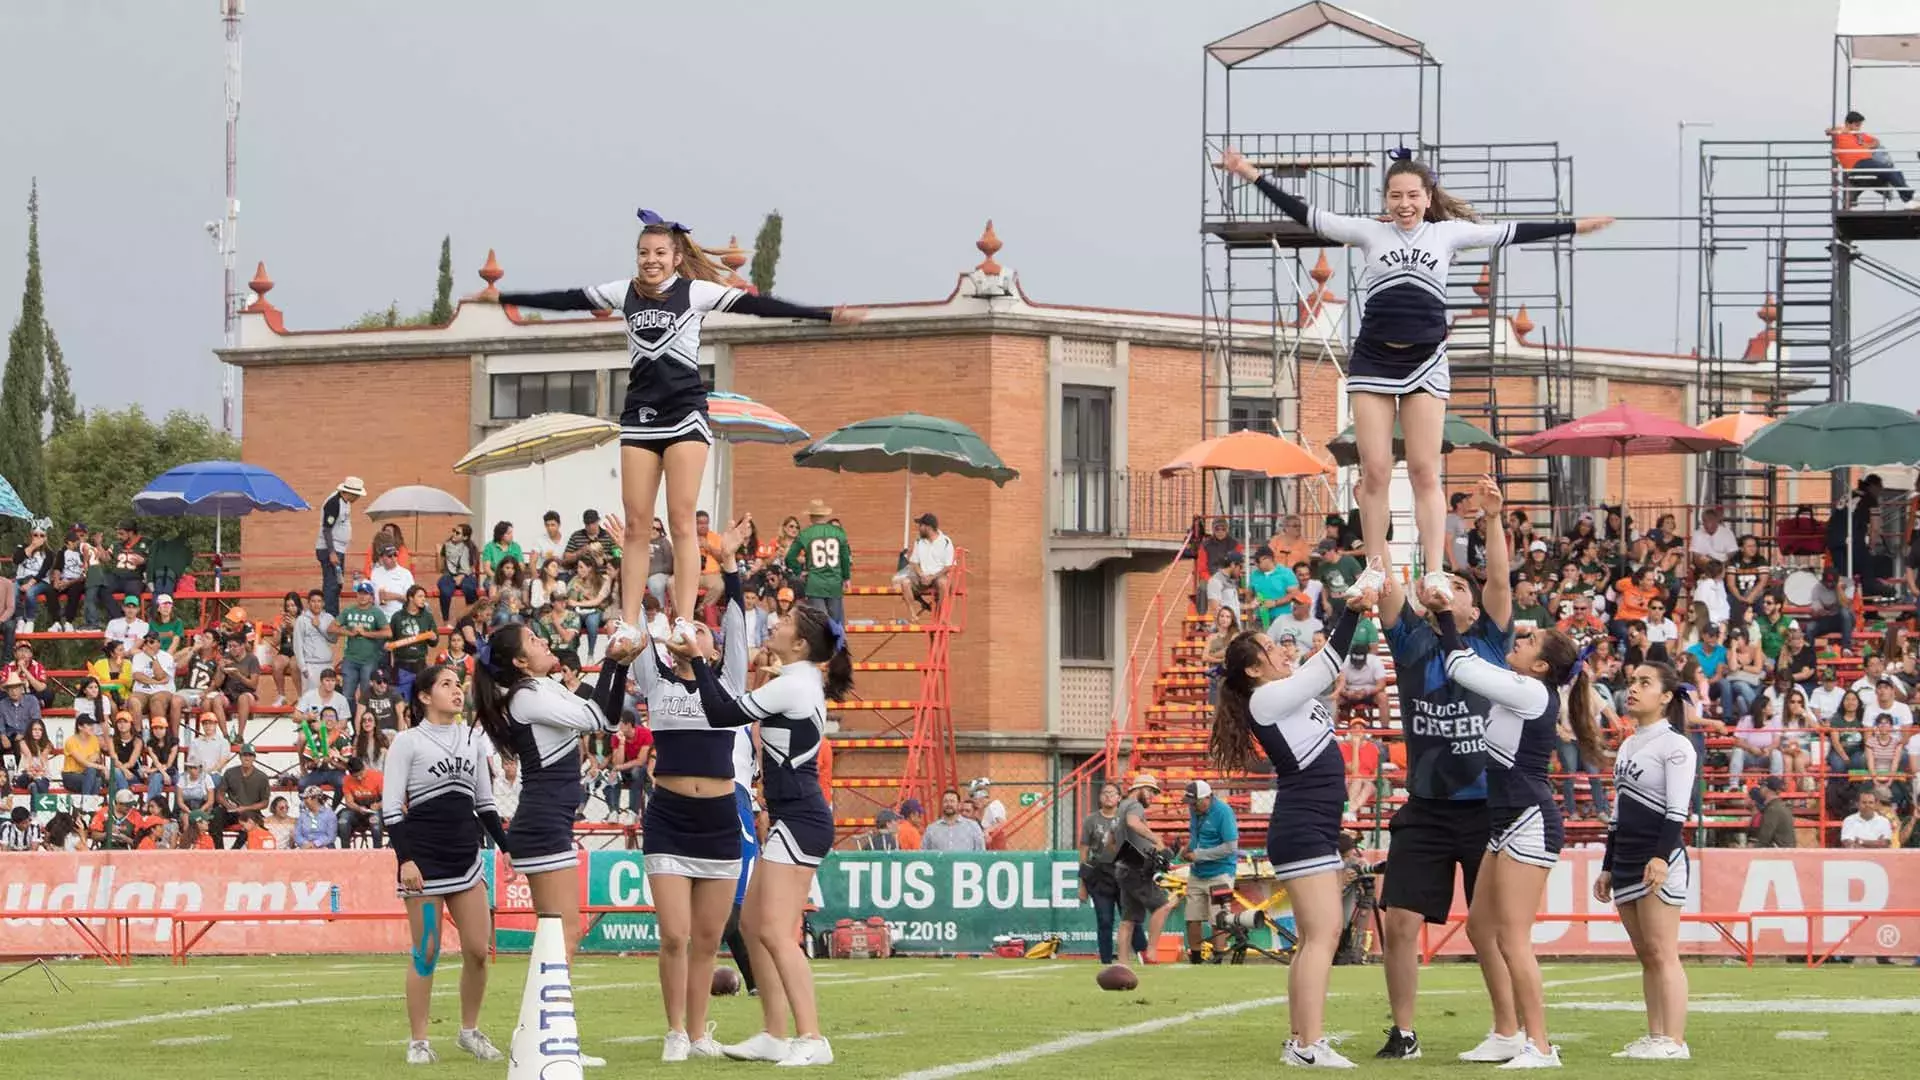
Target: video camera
(1240, 925)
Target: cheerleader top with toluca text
(1653, 788)
(663, 335)
(1295, 728)
(1522, 720)
(684, 744)
(437, 773)
(1403, 276)
(791, 710)
(547, 720)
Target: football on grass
(726, 982)
(1117, 977)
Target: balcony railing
(1125, 503)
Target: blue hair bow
(839, 635)
(1580, 662)
(1217, 671)
(648, 217)
(1400, 153)
(1685, 690)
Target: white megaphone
(546, 1044)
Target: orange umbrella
(1738, 426)
(1248, 451)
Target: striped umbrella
(740, 419)
(10, 504)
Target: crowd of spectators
(160, 750)
(1801, 699)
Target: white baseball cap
(1198, 789)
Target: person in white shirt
(1885, 703)
(993, 813)
(1824, 702)
(153, 694)
(1713, 540)
(928, 568)
(129, 629)
(1299, 625)
(314, 633)
(325, 694)
(1223, 588)
(391, 581)
(1711, 590)
(1872, 675)
(550, 544)
(1868, 827)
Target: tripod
(53, 978)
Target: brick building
(1064, 562)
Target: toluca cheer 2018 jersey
(665, 397)
(685, 744)
(1445, 723)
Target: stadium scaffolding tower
(1785, 231)
(1269, 320)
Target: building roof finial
(1522, 322)
(989, 245)
(491, 274)
(261, 286)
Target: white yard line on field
(191, 1040)
(190, 1014)
(1552, 984)
(1812, 1036)
(1085, 1039)
(1842, 1006)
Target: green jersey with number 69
(823, 558)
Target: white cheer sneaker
(1496, 1048)
(1532, 1057)
(676, 1046)
(1317, 1055)
(705, 1046)
(806, 1050)
(761, 1047)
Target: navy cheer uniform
(1295, 730)
(546, 721)
(1523, 819)
(681, 835)
(439, 797)
(792, 713)
(1402, 343)
(1443, 823)
(1653, 787)
(666, 402)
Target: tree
(766, 253)
(390, 317)
(23, 403)
(442, 312)
(61, 406)
(98, 464)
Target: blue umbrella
(216, 489)
(10, 504)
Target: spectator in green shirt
(559, 627)
(166, 625)
(412, 620)
(364, 626)
(502, 546)
(1272, 588)
(822, 557)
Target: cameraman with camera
(1140, 855)
(1359, 900)
(1213, 843)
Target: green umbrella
(909, 443)
(1457, 435)
(1838, 435)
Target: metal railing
(1130, 503)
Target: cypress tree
(23, 402)
(442, 312)
(61, 406)
(766, 253)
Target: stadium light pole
(1679, 211)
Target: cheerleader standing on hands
(1526, 830)
(439, 797)
(1644, 872)
(531, 716)
(792, 713)
(1264, 697)
(692, 836)
(1398, 362)
(663, 423)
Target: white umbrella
(535, 441)
(413, 500)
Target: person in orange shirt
(1633, 594)
(1865, 163)
(824, 760)
(913, 819)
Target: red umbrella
(1622, 430)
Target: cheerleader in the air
(1644, 873)
(1526, 829)
(439, 797)
(1265, 697)
(792, 713)
(529, 715)
(1398, 361)
(694, 837)
(663, 421)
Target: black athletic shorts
(1430, 837)
(1140, 894)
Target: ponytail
(825, 638)
(494, 683)
(1567, 667)
(1230, 743)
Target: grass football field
(930, 1019)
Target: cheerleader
(1526, 833)
(1398, 360)
(692, 833)
(663, 422)
(792, 713)
(1265, 697)
(439, 797)
(1645, 870)
(533, 719)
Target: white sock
(469, 1031)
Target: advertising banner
(936, 902)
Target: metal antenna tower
(226, 231)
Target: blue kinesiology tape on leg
(426, 951)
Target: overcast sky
(885, 131)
